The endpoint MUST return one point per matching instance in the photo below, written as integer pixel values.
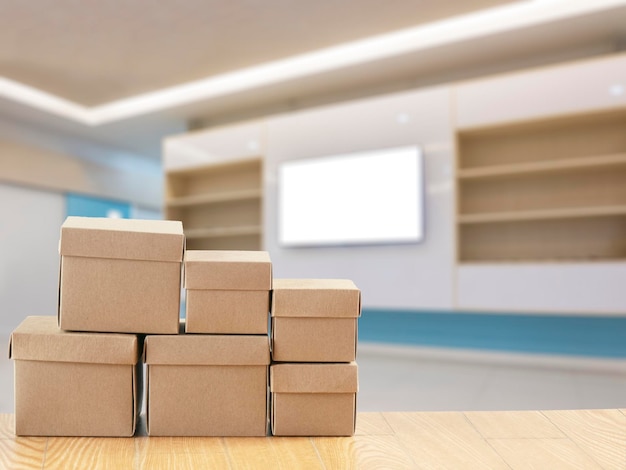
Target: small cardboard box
(313, 399)
(74, 384)
(315, 320)
(227, 291)
(120, 275)
(207, 385)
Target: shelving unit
(219, 204)
(543, 191)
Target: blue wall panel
(595, 336)
(87, 206)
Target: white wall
(30, 222)
(401, 276)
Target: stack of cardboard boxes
(119, 294)
(212, 381)
(117, 278)
(313, 377)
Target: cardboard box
(207, 385)
(313, 399)
(315, 320)
(120, 275)
(74, 384)
(227, 291)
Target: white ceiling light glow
(457, 29)
(43, 101)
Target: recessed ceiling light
(617, 89)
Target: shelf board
(544, 214)
(202, 199)
(541, 262)
(215, 167)
(543, 166)
(217, 232)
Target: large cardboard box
(74, 384)
(120, 275)
(313, 399)
(207, 385)
(315, 320)
(227, 291)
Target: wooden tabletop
(586, 439)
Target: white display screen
(360, 198)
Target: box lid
(40, 339)
(190, 349)
(149, 240)
(228, 270)
(314, 378)
(315, 298)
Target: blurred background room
(492, 259)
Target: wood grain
(180, 445)
(22, 453)
(65, 453)
(7, 426)
(372, 424)
(184, 461)
(363, 452)
(294, 453)
(586, 439)
(513, 424)
(553, 454)
(181, 452)
(436, 440)
(272, 453)
(599, 433)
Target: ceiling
(93, 51)
(127, 73)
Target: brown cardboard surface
(228, 270)
(314, 378)
(227, 311)
(227, 291)
(314, 320)
(120, 275)
(40, 339)
(314, 339)
(207, 385)
(207, 400)
(119, 295)
(206, 350)
(315, 298)
(73, 384)
(313, 399)
(94, 237)
(317, 414)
